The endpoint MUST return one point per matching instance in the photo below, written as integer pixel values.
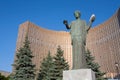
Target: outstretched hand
(65, 22)
(92, 18)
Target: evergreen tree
(11, 76)
(52, 67)
(46, 68)
(60, 64)
(94, 66)
(24, 68)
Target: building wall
(43, 40)
(103, 41)
(4, 73)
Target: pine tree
(60, 64)
(24, 68)
(46, 68)
(94, 66)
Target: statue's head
(77, 14)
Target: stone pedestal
(80, 74)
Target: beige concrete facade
(103, 41)
(4, 73)
(43, 40)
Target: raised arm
(88, 26)
(66, 24)
(92, 19)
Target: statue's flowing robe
(78, 36)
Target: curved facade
(43, 40)
(103, 41)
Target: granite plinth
(80, 74)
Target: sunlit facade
(4, 73)
(104, 43)
(42, 41)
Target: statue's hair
(77, 11)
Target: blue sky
(48, 14)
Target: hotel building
(104, 43)
(42, 41)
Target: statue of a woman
(78, 32)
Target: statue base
(80, 74)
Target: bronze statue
(78, 31)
